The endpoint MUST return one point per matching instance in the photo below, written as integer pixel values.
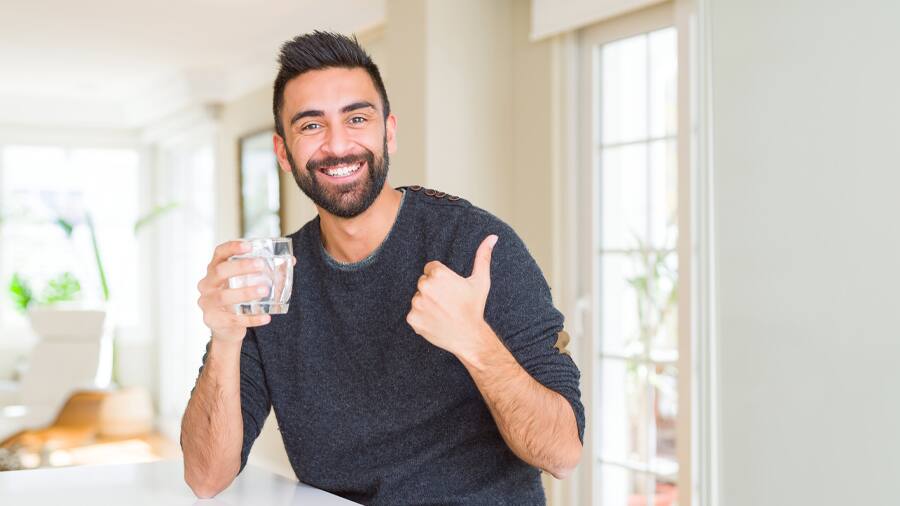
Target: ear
(281, 154)
(390, 129)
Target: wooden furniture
(94, 426)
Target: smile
(342, 170)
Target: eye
(358, 120)
(310, 126)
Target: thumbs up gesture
(448, 309)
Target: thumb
(481, 269)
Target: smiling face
(337, 141)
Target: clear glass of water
(278, 274)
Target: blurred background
(708, 185)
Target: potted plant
(59, 311)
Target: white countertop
(152, 483)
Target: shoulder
(435, 198)
(445, 204)
(443, 210)
(462, 226)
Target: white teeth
(342, 171)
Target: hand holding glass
(277, 273)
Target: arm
(212, 430)
(228, 394)
(537, 423)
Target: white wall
(806, 179)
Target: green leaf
(65, 225)
(21, 292)
(62, 288)
(153, 215)
(100, 270)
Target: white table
(154, 483)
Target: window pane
(623, 194)
(663, 82)
(46, 186)
(664, 379)
(624, 487)
(624, 90)
(619, 318)
(624, 426)
(114, 214)
(663, 198)
(661, 319)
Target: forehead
(329, 89)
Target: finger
(433, 267)
(222, 319)
(412, 320)
(228, 249)
(481, 269)
(230, 269)
(256, 320)
(418, 303)
(421, 284)
(231, 296)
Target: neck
(349, 240)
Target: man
(418, 363)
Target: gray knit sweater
(373, 412)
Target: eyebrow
(316, 112)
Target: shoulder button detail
(435, 194)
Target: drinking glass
(278, 274)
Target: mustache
(314, 165)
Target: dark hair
(321, 50)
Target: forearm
(537, 423)
(212, 429)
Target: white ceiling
(124, 63)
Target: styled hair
(321, 50)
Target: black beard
(348, 200)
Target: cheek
(303, 152)
(370, 138)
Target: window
(630, 77)
(44, 189)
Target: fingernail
(262, 290)
(493, 241)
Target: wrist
(484, 350)
(223, 346)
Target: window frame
(679, 14)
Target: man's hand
(448, 309)
(216, 299)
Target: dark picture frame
(260, 186)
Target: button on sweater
(373, 412)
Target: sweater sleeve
(255, 401)
(520, 311)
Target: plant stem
(103, 285)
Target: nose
(337, 141)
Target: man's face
(337, 142)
